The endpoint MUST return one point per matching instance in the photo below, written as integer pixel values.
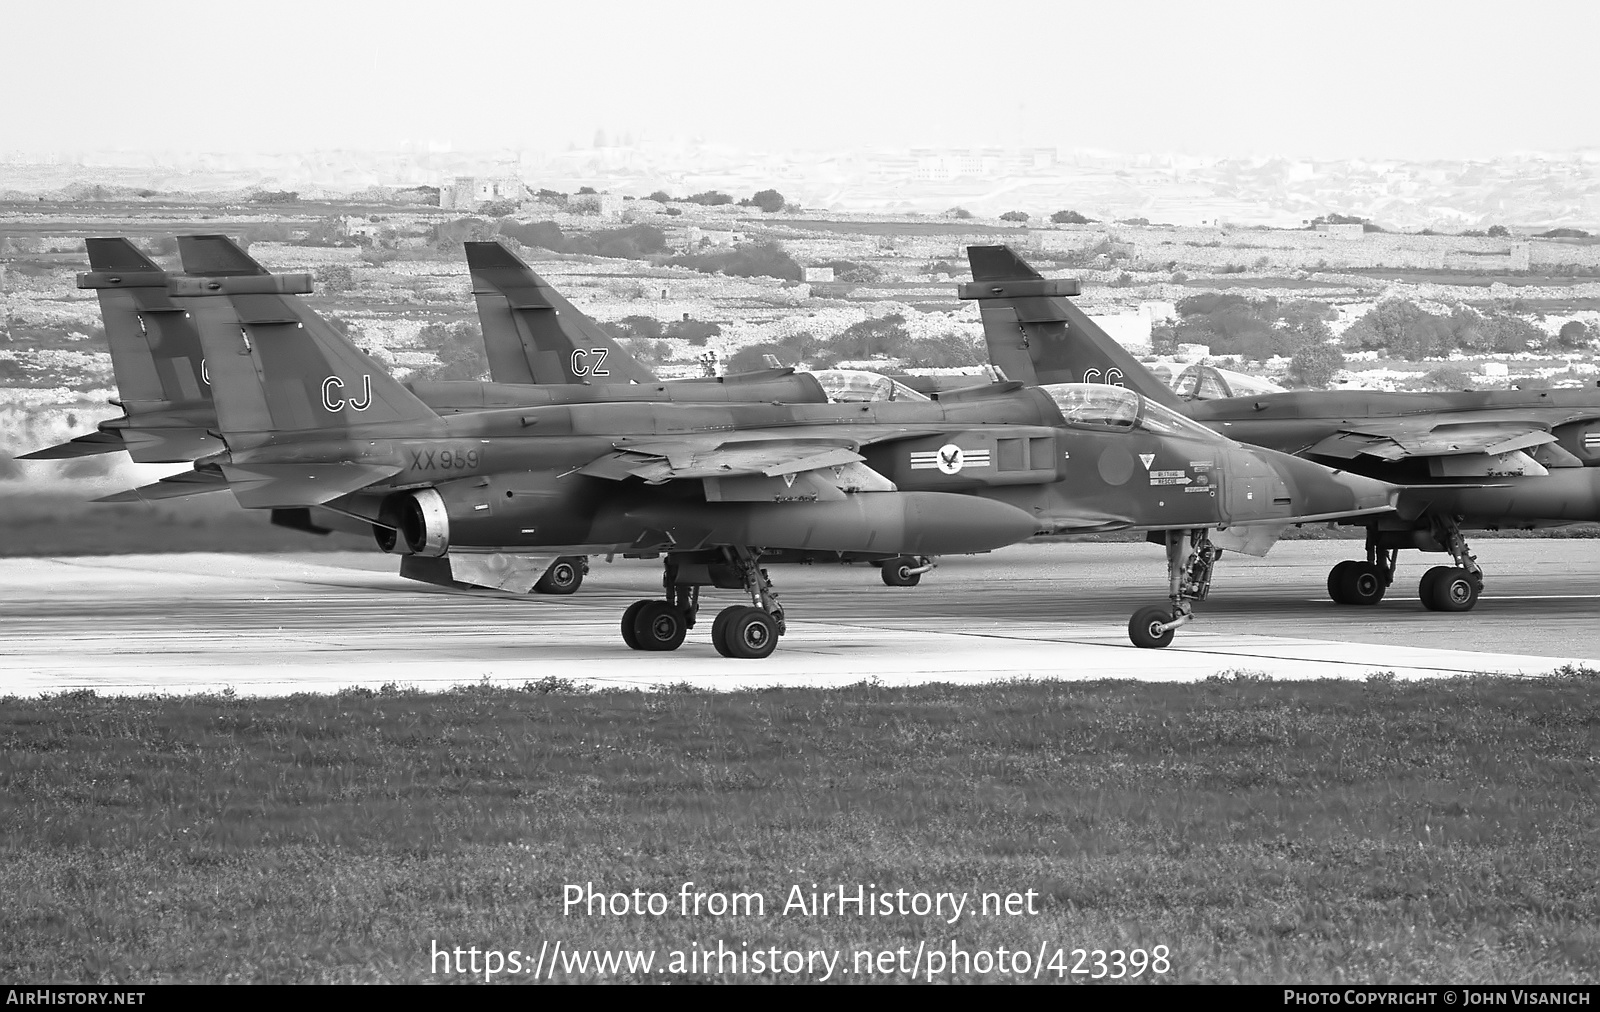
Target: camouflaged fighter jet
(168, 414)
(310, 421)
(1472, 459)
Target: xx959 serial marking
(458, 459)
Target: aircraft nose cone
(1315, 489)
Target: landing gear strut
(1352, 582)
(1445, 588)
(752, 630)
(1190, 558)
(749, 631)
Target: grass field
(1261, 831)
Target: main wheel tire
(751, 633)
(1336, 580)
(719, 628)
(660, 626)
(628, 635)
(1454, 590)
(1144, 628)
(564, 576)
(1425, 586)
(898, 572)
(1363, 584)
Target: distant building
(1343, 231)
(465, 193)
(817, 274)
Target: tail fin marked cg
(1036, 335)
(532, 334)
(276, 365)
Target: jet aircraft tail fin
(1036, 335)
(276, 365)
(532, 334)
(156, 359)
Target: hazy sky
(1331, 79)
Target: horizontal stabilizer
(169, 444)
(174, 486)
(269, 486)
(81, 446)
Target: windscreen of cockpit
(1161, 419)
(855, 386)
(1097, 405)
(1100, 406)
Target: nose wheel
(1190, 558)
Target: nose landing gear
(1190, 558)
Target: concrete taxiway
(276, 624)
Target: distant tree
(1564, 233)
(768, 200)
(1133, 221)
(1315, 365)
(659, 195)
(460, 350)
(672, 211)
(749, 260)
(1070, 218)
(1498, 232)
(710, 198)
(696, 332)
(875, 336)
(1448, 377)
(550, 197)
(276, 197)
(642, 326)
(1576, 334)
(586, 189)
(1018, 216)
(335, 278)
(849, 270)
(959, 212)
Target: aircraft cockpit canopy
(1101, 406)
(856, 386)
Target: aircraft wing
(1403, 438)
(659, 462)
(173, 486)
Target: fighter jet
(168, 414)
(716, 490)
(1478, 459)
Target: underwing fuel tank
(901, 523)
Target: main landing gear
(747, 631)
(564, 576)
(904, 570)
(1352, 582)
(1442, 588)
(1190, 558)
